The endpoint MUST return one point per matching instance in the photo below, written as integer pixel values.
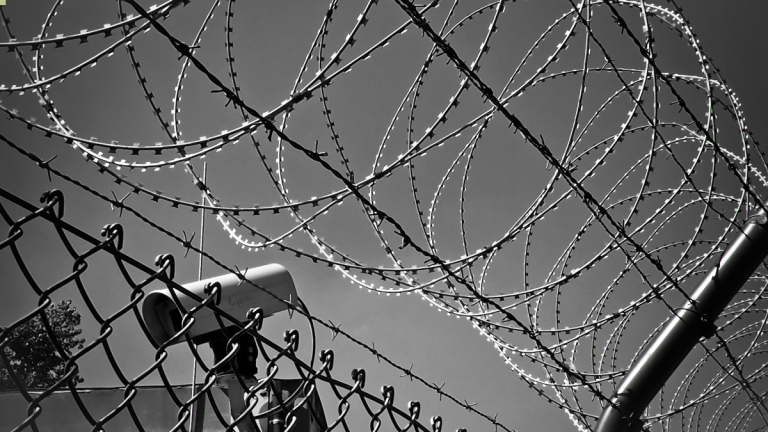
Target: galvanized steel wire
(649, 198)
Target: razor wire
(683, 132)
(379, 409)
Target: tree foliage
(32, 354)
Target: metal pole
(199, 277)
(276, 420)
(696, 319)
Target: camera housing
(163, 317)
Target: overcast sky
(269, 42)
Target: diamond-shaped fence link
(628, 195)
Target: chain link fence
(136, 276)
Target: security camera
(232, 295)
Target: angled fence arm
(696, 319)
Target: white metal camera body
(163, 317)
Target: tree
(32, 354)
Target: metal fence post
(696, 319)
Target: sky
(269, 42)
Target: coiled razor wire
(626, 201)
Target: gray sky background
(270, 41)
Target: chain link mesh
(656, 174)
(379, 409)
